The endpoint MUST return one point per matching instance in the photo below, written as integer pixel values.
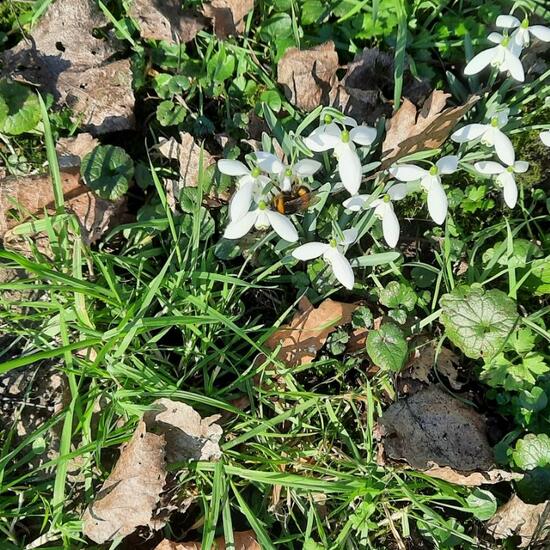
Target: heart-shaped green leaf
(387, 347)
(19, 108)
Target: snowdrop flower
(505, 177)
(249, 186)
(521, 37)
(261, 218)
(333, 254)
(500, 56)
(272, 165)
(545, 137)
(341, 140)
(383, 209)
(430, 180)
(490, 135)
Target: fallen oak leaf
(228, 15)
(432, 428)
(132, 490)
(531, 522)
(308, 331)
(166, 20)
(410, 131)
(244, 540)
(308, 76)
(71, 150)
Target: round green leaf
(387, 347)
(107, 170)
(482, 504)
(532, 451)
(397, 295)
(19, 108)
(476, 320)
(169, 113)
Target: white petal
(518, 41)
(348, 121)
(521, 166)
(407, 172)
(363, 135)
(437, 203)
(509, 189)
(469, 132)
(306, 167)
(262, 221)
(489, 167)
(241, 200)
(340, 267)
(545, 137)
(507, 22)
(355, 203)
(268, 162)
(480, 61)
(282, 226)
(285, 184)
(241, 226)
(447, 164)
(503, 147)
(323, 138)
(495, 37)
(390, 227)
(349, 168)
(309, 251)
(541, 32)
(232, 167)
(513, 65)
(350, 236)
(397, 191)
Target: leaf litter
(244, 540)
(169, 432)
(64, 57)
(228, 16)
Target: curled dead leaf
(308, 330)
(308, 76)
(531, 522)
(228, 15)
(132, 490)
(472, 479)
(188, 435)
(432, 428)
(410, 130)
(244, 540)
(166, 21)
(71, 150)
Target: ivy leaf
(19, 108)
(387, 347)
(107, 170)
(397, 295)
(476, 320)
(532, 451)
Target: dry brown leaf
(422, 362)
(308, 76)
(358, 338)
(27, 197)
(188, 435)
(472, 479)
(228, 15)
(65, 58)
(23, 197)
(132, 490)
(244, 540)
(70, 150)
(410, 131)
(531, 522)
(308, 330)
(166, 20)
(431, 427)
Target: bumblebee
(298, 199)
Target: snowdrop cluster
(267, 179)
